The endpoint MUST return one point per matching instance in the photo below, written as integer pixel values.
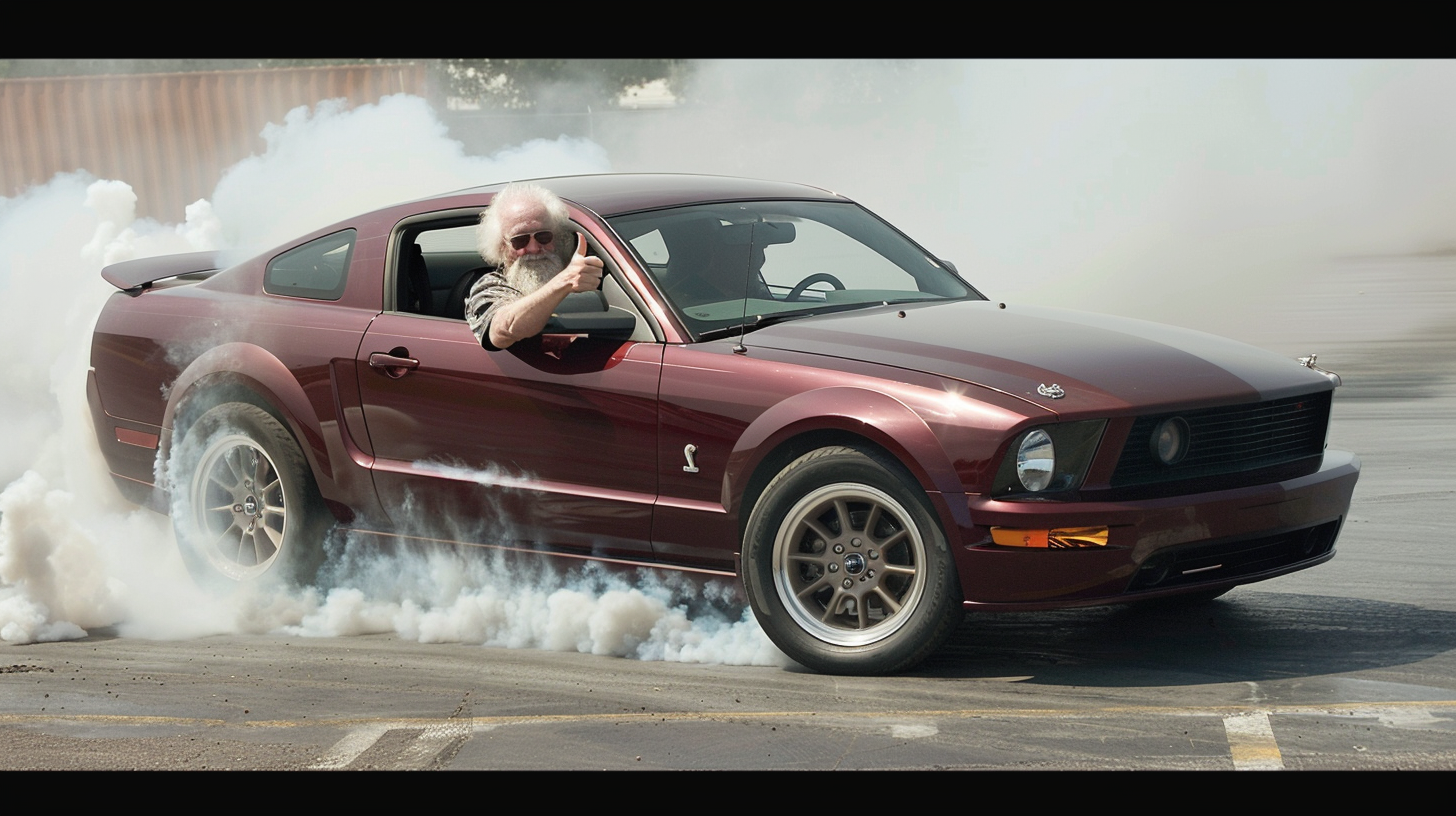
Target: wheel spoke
(841, 509)
(261, 469)
(807, 593)
(894, 539)
(247, 554)
(263, 545)
(831, 609)
(275, 537)
(235, 543)
(872, 521)
(817, 559)
(898, 569)
(891, 605)
(234, 460)
(218, 541)
(819, 530)
(862, 613)
(231, 488)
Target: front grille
(1229, 440)
(1207, 563)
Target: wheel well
(202, 397)
(791, 449)
(222, 388)
(207, 394)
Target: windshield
(743, 264)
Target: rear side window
(318, 269)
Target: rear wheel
(846, 568)
(244, 504)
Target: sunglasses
(543, 238)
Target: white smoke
(472, 596)
(68, 543)
(74, 556)
(1206, 193)
(328, 164)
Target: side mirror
(587, 313)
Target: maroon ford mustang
(772, 382)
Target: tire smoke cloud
(1204, 193)
(74, 556)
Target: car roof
(617, 193)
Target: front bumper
(1157, 546)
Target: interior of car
(439, 263)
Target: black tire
(846, 568)
(245, 506)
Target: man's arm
(527, 316)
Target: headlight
(1036, 461)
(1169, 441)
(1048, 458)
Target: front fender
(872, 415)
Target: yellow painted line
(110, 719)
(1366, 709)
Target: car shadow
(1247, 635)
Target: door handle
(394, 364)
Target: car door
(549, 443)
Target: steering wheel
(817, 277)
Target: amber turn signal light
(1062, 538)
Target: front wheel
(846, 568)
(244, 503)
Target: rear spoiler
(141, 273)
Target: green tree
(552, 84)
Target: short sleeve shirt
(486, 298)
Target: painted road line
(1251, 742)
(431, 742)
(351, 746)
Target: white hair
(518, 195)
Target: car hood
(1101, 363)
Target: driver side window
(435, 267)
(437, 264)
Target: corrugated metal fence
(168, 135)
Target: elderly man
(522, 235)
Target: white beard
(528, 273)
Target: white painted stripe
(350, 747)
(907, 731)
(433, 739)
(1251, 742)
